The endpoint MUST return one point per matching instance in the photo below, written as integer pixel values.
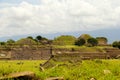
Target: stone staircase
(112, 52)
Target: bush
(10, 42)
(2, 43)
(116, 44)
(92, 42)
(80, 42)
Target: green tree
(80, 42)
(85, 37)
(119, 45)
(2, 43)
(10, 41)
(116, 44)
(92, 42)
(41, 40)
(38, 38)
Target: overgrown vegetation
(81, 48)
(92, 42)
(63, 40)
(116, 44)
(97, 69)
(80, 42)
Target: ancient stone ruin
(102, 41)
(61, 59)
(45, 53)
(27, 75)
(5, 55)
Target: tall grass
(85, 71)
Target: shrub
(10, 42)
(116, 44)
(2, 43)
(38, 38)
(80, 42)
(92, 42)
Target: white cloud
(51, 16)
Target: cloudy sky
(48, 17)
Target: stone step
(26, 75)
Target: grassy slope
(85, 71)
(83, 48)
(7, 67)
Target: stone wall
(112, 52)
(30, 54)
(46, 53)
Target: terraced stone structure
(5, 55)
(62, 59)
(113, 53)
(30, 54)
(45, 53)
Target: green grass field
(85, 71)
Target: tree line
(84, 39)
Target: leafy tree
(10, 41)
(119, 45)
(2, 43)
(41, 40)
(80, 42)
(85, 37)
(116, 44)
(92, 42)
(38, 38)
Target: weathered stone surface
(31, 54)
(5, 55)
(55, 59)
(106, 71)
(92, 79)
(27, 75)
(118, 57)
(55, 78)
(44, 53)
